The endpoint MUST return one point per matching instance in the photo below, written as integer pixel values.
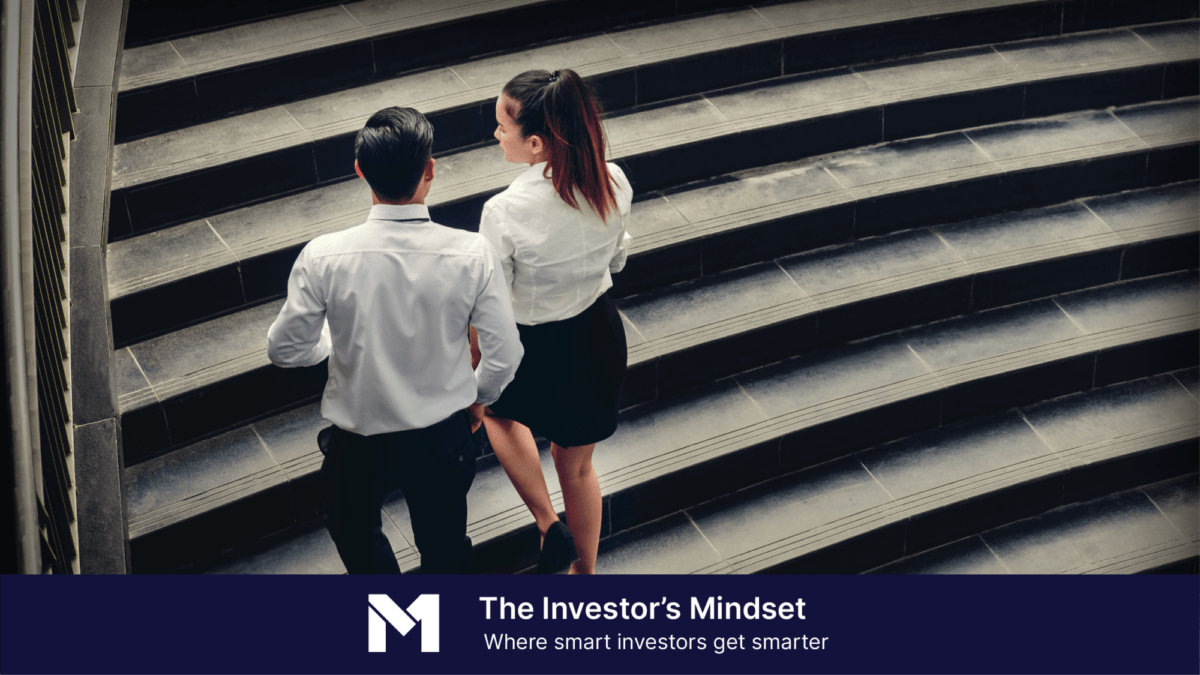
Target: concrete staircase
(911, 280)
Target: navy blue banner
(745, 624)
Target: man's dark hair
(392, 150)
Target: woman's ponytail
(562, 109)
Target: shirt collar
(534, 173)
(399, 212)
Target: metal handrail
(37, 116)
(16, 273)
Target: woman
(559, 230)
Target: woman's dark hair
(392, 150)
(563, 109)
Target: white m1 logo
(383, 611)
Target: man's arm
(490, 228)
(500, 349)
(300, 335)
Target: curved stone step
(1137, 431)
(151, 21)
(176, 276)
(875, 506)
(196, 78)
(725, 322)
(210, 168)
(698, 445)
(1145, 530)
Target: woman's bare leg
(581, 492)
(514, 447)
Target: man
(389, 302)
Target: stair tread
(1177, 501)
(1172, 122)
(1172, 37)
(1190, 379)
(1105, 310)
(186, 360)
(208, 474)
(1117, 534)
(1134, 219)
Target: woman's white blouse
(556, 259)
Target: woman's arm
(624, 207)
(622, 253)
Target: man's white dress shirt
(557, 260)
(399, 293)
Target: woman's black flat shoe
(558, 549)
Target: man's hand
(475, 410)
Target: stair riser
(713, 360)
(1144, 260)
(1085, 15)
(1039, 383)
(1040, 280)
(1181, 80)
(1119, 364)
(1173, 164)
(162, 308)
(730, 249)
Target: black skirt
(568, 385)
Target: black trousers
(434, 467)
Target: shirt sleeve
(625, 192)
(300, 334)
(491, 227)
(499, 343)
(622, 253)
